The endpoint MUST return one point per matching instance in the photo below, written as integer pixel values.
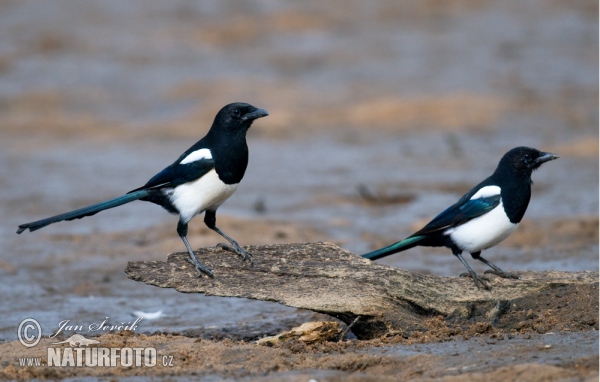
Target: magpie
(482, 217)
(200, 180)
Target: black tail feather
(83, 212)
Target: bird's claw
(200, 268)
(504, 275)
(479, 280)
(235, 247)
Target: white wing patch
(486, 192)
(197, 155)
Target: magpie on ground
(200, 180)
(483, 217)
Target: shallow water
(96, 97)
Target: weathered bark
(325, 278)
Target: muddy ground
(381, 116)
(551, 337)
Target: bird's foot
(200, 268)
(235, 247)
(504, 275)
(479, 280)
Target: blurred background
(381, 115)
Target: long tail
(400, 246)
(85, 211)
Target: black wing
(460, 213)
(177, 174)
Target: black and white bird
(200, 180)
(484, 216)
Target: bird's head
(525, 160)
(238, 116)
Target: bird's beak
(545, 157)
(257, 113)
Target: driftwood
(325, 278)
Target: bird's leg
(182, 231)
(210, 220)
(495, 269)
(478, 280)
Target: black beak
(257, 113)
(545, 157)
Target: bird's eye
(527, 158)
(236, 112)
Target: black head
(525, 160)
(237, 117)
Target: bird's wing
(467, 208)
(177, 174)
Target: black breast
(515, 198)
(231, 161)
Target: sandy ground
(381, 116)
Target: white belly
(482, 232)
(206, 193)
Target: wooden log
(325, 278)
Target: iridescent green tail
(400, 246)
(85, 211)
